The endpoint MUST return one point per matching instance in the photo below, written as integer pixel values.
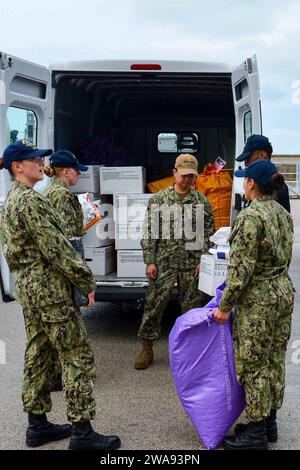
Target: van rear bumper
(117, 293)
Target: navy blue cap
(20, 150)
(260, 171)
(255, 142)
(66, 159)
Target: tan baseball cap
(186, 164)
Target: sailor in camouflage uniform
(168, 257)
(65, 169)
(260, 289)
(44, 266)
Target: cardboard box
(130, 207)
(101, 234)
(128, 235)
(88, 181)
(130, 263)
(220, 237)
(213, 272)
(101, 260)
(122, 179)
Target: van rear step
(111, 288)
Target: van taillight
(145, 67)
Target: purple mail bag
(202, 365)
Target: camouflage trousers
(260, 334)
(159, 293)
(66, 339)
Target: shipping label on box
(88, 181)
(127, 179)
(129, 235)
(130, 207)
(101, 260)
(130, 263)
(212, 273)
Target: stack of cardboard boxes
(213, 267)
(127, 184)
(98, 242)
(121, 228)
(129, 214)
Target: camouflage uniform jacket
(175, 253)
(42, 261)
(68, 207)
(260, 253)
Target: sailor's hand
(151, 271)
(91, 297)
(221, 317)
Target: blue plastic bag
(202, 364)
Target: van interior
(135, 110)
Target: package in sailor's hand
(202, 365)
(90, 211)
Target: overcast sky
(215, 30)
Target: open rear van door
(247, 105)
(25, 95)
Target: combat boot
(85, 438)
(145, 357)
(271, 423)
(254, 437)
(40, 431)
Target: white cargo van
(152, 109)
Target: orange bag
(217, 187)
(158, 185)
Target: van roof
(125, 66)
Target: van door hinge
(249, 67)
(5, 61)
(2, 60)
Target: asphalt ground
(142, 407)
